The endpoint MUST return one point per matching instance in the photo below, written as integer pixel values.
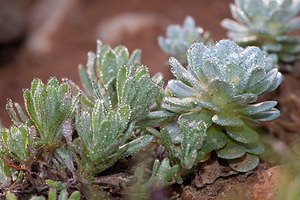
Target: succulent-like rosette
(220, 88)
(179, 39)
(265, 23)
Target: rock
(210, 172)
(267, 185)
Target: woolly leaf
(242, 134)
(232, 150)
(227, 119)
(245, 163)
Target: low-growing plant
(179, 39)
(265, 23)
(71, 137)
(49, 106)
(105, 137)
(16, 143)
(219, 88)
(63, 195)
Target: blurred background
(44, 38)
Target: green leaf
(158, 78)
(56, 184)
(49, 106)
(244, 98)
(5, 180)
(233, 25)
(195, 59)
(10, 196)
(180, 38)
(227, 119)
(122, 55)
(162, 173)
(181, 90)
(129, 91)
(15, 142)
(186, 103)
(160, 114)
(98, 92)
(63, 195)
(266, 115)
(167, 140)
(239, 15)
(52, 194)
(221, 92)
(215, 139)
(138, 144)
(37, 198)
(21, 113)
(207, 105)
(174, 133)
(135, 58)
(85, 80)
(121, 79)
(74, 196)
(276, 83)
(202, 115)
(294, 24)
(183, 75)
(264, 84)
(110, 67)
(255, 148)
(244, 164)
(231, 150)
(256, 76)
(242, 134)
(257, 108)
(194, 134)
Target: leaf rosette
(220, 87)
(265, 23)
(179, 38)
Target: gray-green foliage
(179, 39)
(5, 175)
(214, 98)
(105, 135)
(162, 176)
(265, 23)
(120, 92)
(63, 195)
(120, 80)
(220, 88)
(103, 67)
(15, 143)
(137, 89)
(49, 106)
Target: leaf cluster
(179, 39)
(265, 23)
(81, 134)
(219, 87)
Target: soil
(73, 32)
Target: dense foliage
(265, 23)
(71, 138)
